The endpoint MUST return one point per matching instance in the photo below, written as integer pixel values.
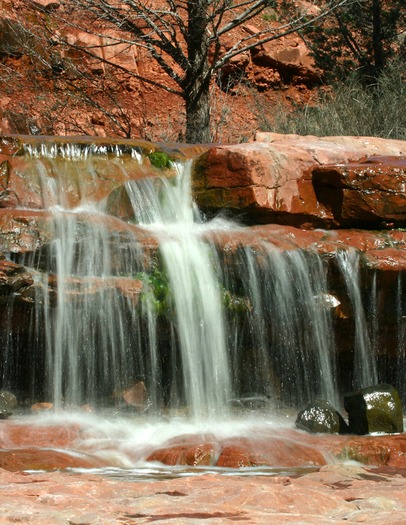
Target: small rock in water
(377, 408)
(87, 407)
(8, 403)
(137, 396)
(321, 417)
(41, 407)
(250, 403)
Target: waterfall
(365, 372)
(165, 207)
(136, 290)
(289, 325)
(401, 336)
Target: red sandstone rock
(371, 191)
(42, 407)
(46, 5)
(47, 177)
(24, 230)
(233, 456)
(255, 180)
(381, 250)
(32, 458)
(15, 280)
(333, 150)
(15, 435)
(289, 180)
(390, 259)
(334, 495)
(289, 449)
(374, 450)
(290, 57)
(279, 180)
(193, 455)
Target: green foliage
(270, 15)
(361, 36)
(156, 291)
(160, 160)
(156, 294)
(235, 303)
(351, 108)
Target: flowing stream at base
(188, 333)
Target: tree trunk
(379, 56)
(198, 116)
(196, 88)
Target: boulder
(291, 58)
(137, 396)
(16, 434)
(32, 458)
(377, 408)
(258, 183)
(285, 448)
(321, 417)
(203, 454)
(281, 179)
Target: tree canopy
(360, 36)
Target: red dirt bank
(34, 100)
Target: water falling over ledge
(135, 292)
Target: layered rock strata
(306, 182)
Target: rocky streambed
(72, 473)
(88, 469)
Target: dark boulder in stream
(321, 417)
(376, 408)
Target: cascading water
(365, 372)
(98, 343)
(292, 324)
(165, 208)
(150, 297)
(400, 336)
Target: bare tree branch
(292, 26)
(184, 37)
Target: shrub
(351, 108)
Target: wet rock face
(374, 409)
(321, 417)
(368, 192)
(37, 459)
(8, 403)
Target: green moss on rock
(377, 408)
(160, 160)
